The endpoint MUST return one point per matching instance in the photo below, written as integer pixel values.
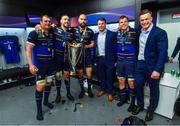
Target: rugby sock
(38, 96)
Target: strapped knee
(40, 82)
(122, 83)
(58, 75)
(131, 83)
(121, 78)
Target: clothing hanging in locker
(10, 47)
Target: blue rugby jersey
(87, 38)
(62, 38)
(126, 45)
(9, 46)
(43, 46)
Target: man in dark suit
(105, 51)
(175, 52)
(153, 45)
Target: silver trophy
(75, 54)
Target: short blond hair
(145, 11)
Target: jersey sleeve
(32, 38)
(92, 36)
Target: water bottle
(177, 74)
(173, 72)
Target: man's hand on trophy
(75, 44)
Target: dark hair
(102, 19)
(45, 15)
(123, 16)
(145, 11)
(82, 14)
(63, 16)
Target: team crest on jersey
(77, 32)
(131, 34)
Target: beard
(82, 25)
(66, 25)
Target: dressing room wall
(166, 21)
(22, 34)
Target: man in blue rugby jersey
(85, 36)
(64, 35)
(126, 59)
(39, 53)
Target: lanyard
(65, 35)
(82, 36)
(48, 40)
(123, 39)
